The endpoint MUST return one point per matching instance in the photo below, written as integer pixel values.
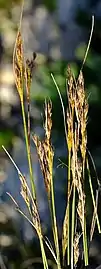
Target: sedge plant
(75, 123)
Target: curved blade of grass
(89, 42)
(18, 170)
(48, 244)
(63, 109)
(16, 167)
(98, 182)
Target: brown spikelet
(80, 89)
(76, 248)
(18, 65)
(71, 89)
(81, 195)
(45, 151)
(65, 233)
(29, 66)
(24, 190)
(48, 120)
(80, 211)
(81, 113)
(83, 129)
(36, 218)
(80, 98)
(70, 131)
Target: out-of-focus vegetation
(8, 4)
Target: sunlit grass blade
(48, 244)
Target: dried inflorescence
(29, 67)
(76, 248)
(18, 65)
(36, 217)
(76, 138)
(45, 151)
(76, 142)
(24, 190)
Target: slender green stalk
(55, 231)
(73, 226)
(44, 259)
(68, 243)
(93, 199)
(85, 245)
(28, 152)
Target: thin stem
(73, 226)
(93, 199)
(28, 152)
(55, 232)
(68, 246)
(44, 259)
(85, 245)
(89, 43)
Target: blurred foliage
(44, 87)
(6, 138)
(7, 4)
(50, 4)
